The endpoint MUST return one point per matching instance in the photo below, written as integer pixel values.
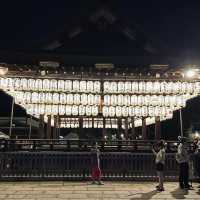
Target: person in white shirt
(182, 158)
(160, 162)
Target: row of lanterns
(151, 87)
(56, 98)
(147, 100)
(30, 84)
(40, 109)
(144, 111)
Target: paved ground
(84, 190)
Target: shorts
(159, 167)
(96, 172)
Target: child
(95, 161)
(160, 162)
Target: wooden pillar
(104, 128)
(48, 135)
(54, 134)
(41, 127)
(133, 134)
(81, 128)
(144, 129)
(126, 129)
(119, 123)
(157, 128)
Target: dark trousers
(184, 174)
(197, 165)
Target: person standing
(182, 158)
(197, 157)
(95, 162)
(160, 162)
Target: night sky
(171, 27)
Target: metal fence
(71, 160)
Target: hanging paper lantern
(61, 85)
(138, 112)
(147, 100)
(81, 110)
(88, 110)
(68, 110)
(54, 109)
(27, 97)
(140, 100)
(111, 111)
(131, 111)
(34, 98)
(134, 100)
(84, 99)
(90, 99)
(97, 86)
(70, 99)
(61, 109)
(156, 87)
(105, 111)
(149, 87)
(45, 85)
(124, 111)
(113, 100)
(41, 109)
(127, 100)
(120, 100)
(90, 86)
(113, 87)
(163, 85)
(48, 109)
(120, 86)
(77, 99)
(144, 111)
(75, 86)
(106, 87)
(48, 98)
(118, 111)
(68, 86)
(135, 87)
(127, 87)
(106, 100)
(142, 87)
(83, 86)
(95, 110)
(97, 99)
(63, 98)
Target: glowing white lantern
(107, 100)
(23, 83)
(105, 111)
(55, 98)
(46, 85)
(169, 87)
(134, 100)
(34, 97)
(113, 100)
(144, 111)
(127, 100)
(41, 109)
(190, 88)
(53, 85)
(147, 100)
(16, 84)
(88, 110)
(27, 97)
(97, 99)
(68, 110)
(113, 87)
(70, 99)
(162, 111)
(131, 111)
(172, 101)
(84, 99)
(95, 110)
(138, 111)
(77, 99)
(68, 86)
(48, 109)
(134, 87)
(31, 84)
(128, 87)
(197, 87)
(183, 87)
(120, 99)
(90, 99)
(29, 109)
(118, 111)
(97, 86)
(140, 100)
(63, 98)
(81, 110)
(48, 98)
(156, 87)
(38, 85)
(83, 86)
(142, 87)
(61, 109)
(19, 99)
(124, 111)
(111, 111)
(163, 85)
(61, 85)
(54, 109)
(106, 87)
(167, 100)
(120, 86)
(154, 100)
(90, 86)
(157, 111)
(149, 87)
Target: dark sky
(173, 27)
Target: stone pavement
(84, 190)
